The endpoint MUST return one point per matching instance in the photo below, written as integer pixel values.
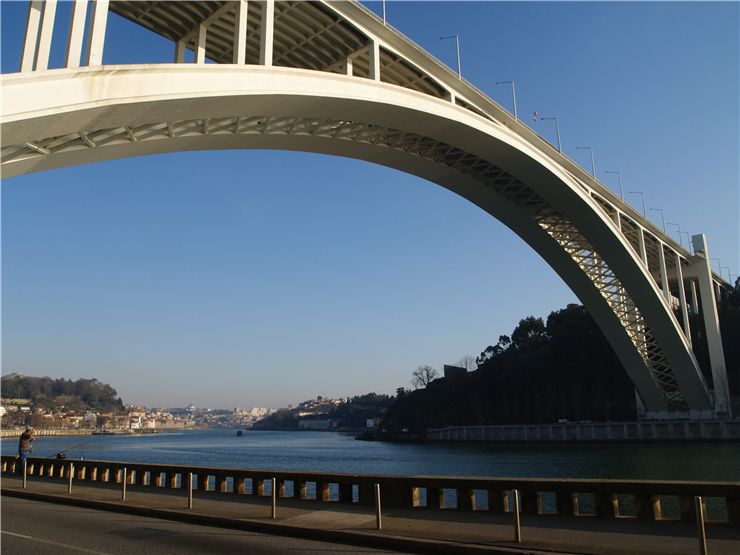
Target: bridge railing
(609, 499)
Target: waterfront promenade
(403, 529)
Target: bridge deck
(414, 530)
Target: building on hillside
(452, 371)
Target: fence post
(71, 475)
(378, 518)
(123, 484)
(699, 506)
(274, 498)
(190, 490)
(25, 470)
(517, 523)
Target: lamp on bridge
(513, 94)
(457, 43)
(642, 195)
(662, 216)
(621, 187)
(680, 237)
(591, 151)
(557, 130)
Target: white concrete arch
(64, 117)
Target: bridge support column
(240, 33)
(643, 250)
(47, 28)
(266, 32)
(682, 299)
(180, 52)
(701, 268)
(200, 44)
(664, 274)
(32, 35)
(76, 33)
(96, 33)
(694, 298)
(374, 60)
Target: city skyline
(288, 275)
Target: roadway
(33, 527)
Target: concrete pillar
(374, 60)
(345, 492)
(711, 326)
(180, 52)
(76, 33)
(566, 503)
(682, 299)
(200, 44)
(32, 35)
(267, 32)
(664, 274)
(641, 243)
(47, 28)
(240, 33)
(96, 33)
(694, 298)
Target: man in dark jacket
(25, 446)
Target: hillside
(47, 393)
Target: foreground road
(31, 527)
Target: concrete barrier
(658, 430)
(608, 499)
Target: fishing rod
(57, 455)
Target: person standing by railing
(25, 446)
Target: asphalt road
(33, 527)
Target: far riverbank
(41, 432)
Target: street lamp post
(457, 44)
(591, 151)
(662, 217)
(642, 195)
(513, 94)
(383, 12)
(680, 237)
(557, 130)
(621, 187)
(688, 241)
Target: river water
(337, 452)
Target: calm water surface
(334, 452)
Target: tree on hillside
(423, 375)
(529, 335)
(467, 362)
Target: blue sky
(265, 278)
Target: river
(337, 452)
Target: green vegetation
(545, 371)
(351, 414)
(729, 319)
(563, 368)
(53, 394)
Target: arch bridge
(331, 77)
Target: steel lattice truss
(552, 221)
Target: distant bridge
(331, 77)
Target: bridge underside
(351, 86)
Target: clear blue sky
(265, 278)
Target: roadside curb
(358, 538)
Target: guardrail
(660, 430)
(610, 499)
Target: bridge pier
(701, 270)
